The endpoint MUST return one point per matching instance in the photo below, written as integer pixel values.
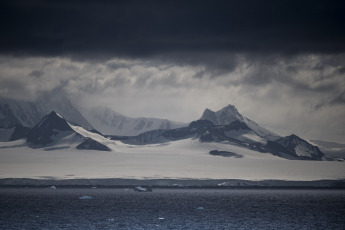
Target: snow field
(179, 159)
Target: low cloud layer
(302, 95)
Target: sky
(281, 63)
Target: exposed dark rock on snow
(205, 130)
(43, 133)
(296, 147)
(225, 154)
(90, 144)
(19, 132)
(229, 114)
(291, 147)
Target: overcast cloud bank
(280, 63)
(280, 93)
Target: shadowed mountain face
(295, 146)
(90, 144)
(204, 130)
(229, 114)
(224, 116)
(47, 129)
(19, 132)
(53, 127)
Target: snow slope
(187, 158)
(109, 122)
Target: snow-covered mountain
(230, 114)
(287, 147)
(54, 132)
(110, 122)
(28, 114)
(56, 148)
(228, 125)
(203, 130)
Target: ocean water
(39, 208)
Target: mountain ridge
(224, 126)
(109, 122)
(28, 114)
(215, 127)
(53, 129)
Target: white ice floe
(85, 197)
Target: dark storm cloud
(36, 73)
(340, 99)
(147, 28)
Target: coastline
(171, 183)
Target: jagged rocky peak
(51, 125)
(224, 116)
(229, 114)
(54, 121)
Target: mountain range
(229, 126)
(68, 128)
(54, 132)
(110, 122)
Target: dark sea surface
(62, 208)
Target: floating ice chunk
(52, 187)
(85, 197)
(200, 208)
(161, 218)
(224, 184)
(93, 187)
(142, 189)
